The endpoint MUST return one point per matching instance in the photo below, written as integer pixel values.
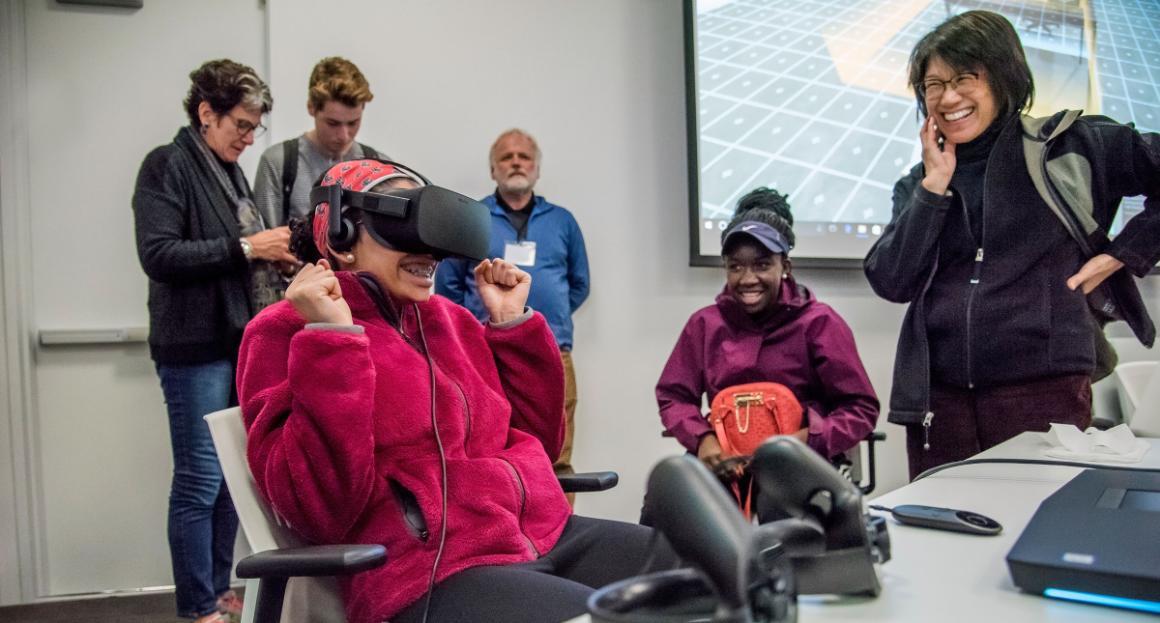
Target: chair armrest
(588, 481)
(871, 439)
(318, 560)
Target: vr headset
(428, 219)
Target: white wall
(103, 86)
(600, 83)
(601, 86)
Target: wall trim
(22, 574)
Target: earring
(349, 258)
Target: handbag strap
(722, 438)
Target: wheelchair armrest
(318, 560)
(871, 439)
(588, 481)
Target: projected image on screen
(811, 97)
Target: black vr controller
(795, 485)
(741, 574)
(428, 219)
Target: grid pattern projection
(791, 95)
(1128, 64)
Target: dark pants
(202, 521)
(966, 422)
(590, 554)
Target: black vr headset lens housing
(428, 219)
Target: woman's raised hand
(939, 163)
(317, 296)
(503, 288)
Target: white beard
(516, 184)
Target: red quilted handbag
(743, 416)
(746, 415)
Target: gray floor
(148, 608)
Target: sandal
(230, 605)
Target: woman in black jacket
(211, 265)
(999, 338)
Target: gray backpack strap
(1073, 212)
(289, 173)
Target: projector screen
(810, 97)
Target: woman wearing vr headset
(379, 413)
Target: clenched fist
(317, 296)
(503, 288)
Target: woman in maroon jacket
(766, 327)
(378, 413)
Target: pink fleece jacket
(340, 436)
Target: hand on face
(503, 288)
(317, 296)
(1094, 272)
(939, 163)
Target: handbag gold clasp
(748, 398)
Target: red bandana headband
(359, 176)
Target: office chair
(850, 464)
(1138, 392)
(282, 555)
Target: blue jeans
(202, 520)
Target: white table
(937, 576)
(944, 576)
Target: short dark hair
(764, 205)
(225, 84)
(977, 40)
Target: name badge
(520, 253)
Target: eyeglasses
(933, 88)
(244, 127)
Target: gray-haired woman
(211, 265)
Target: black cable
(938, 468)
(880, 508)
(442, 466)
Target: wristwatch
(247, 249)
